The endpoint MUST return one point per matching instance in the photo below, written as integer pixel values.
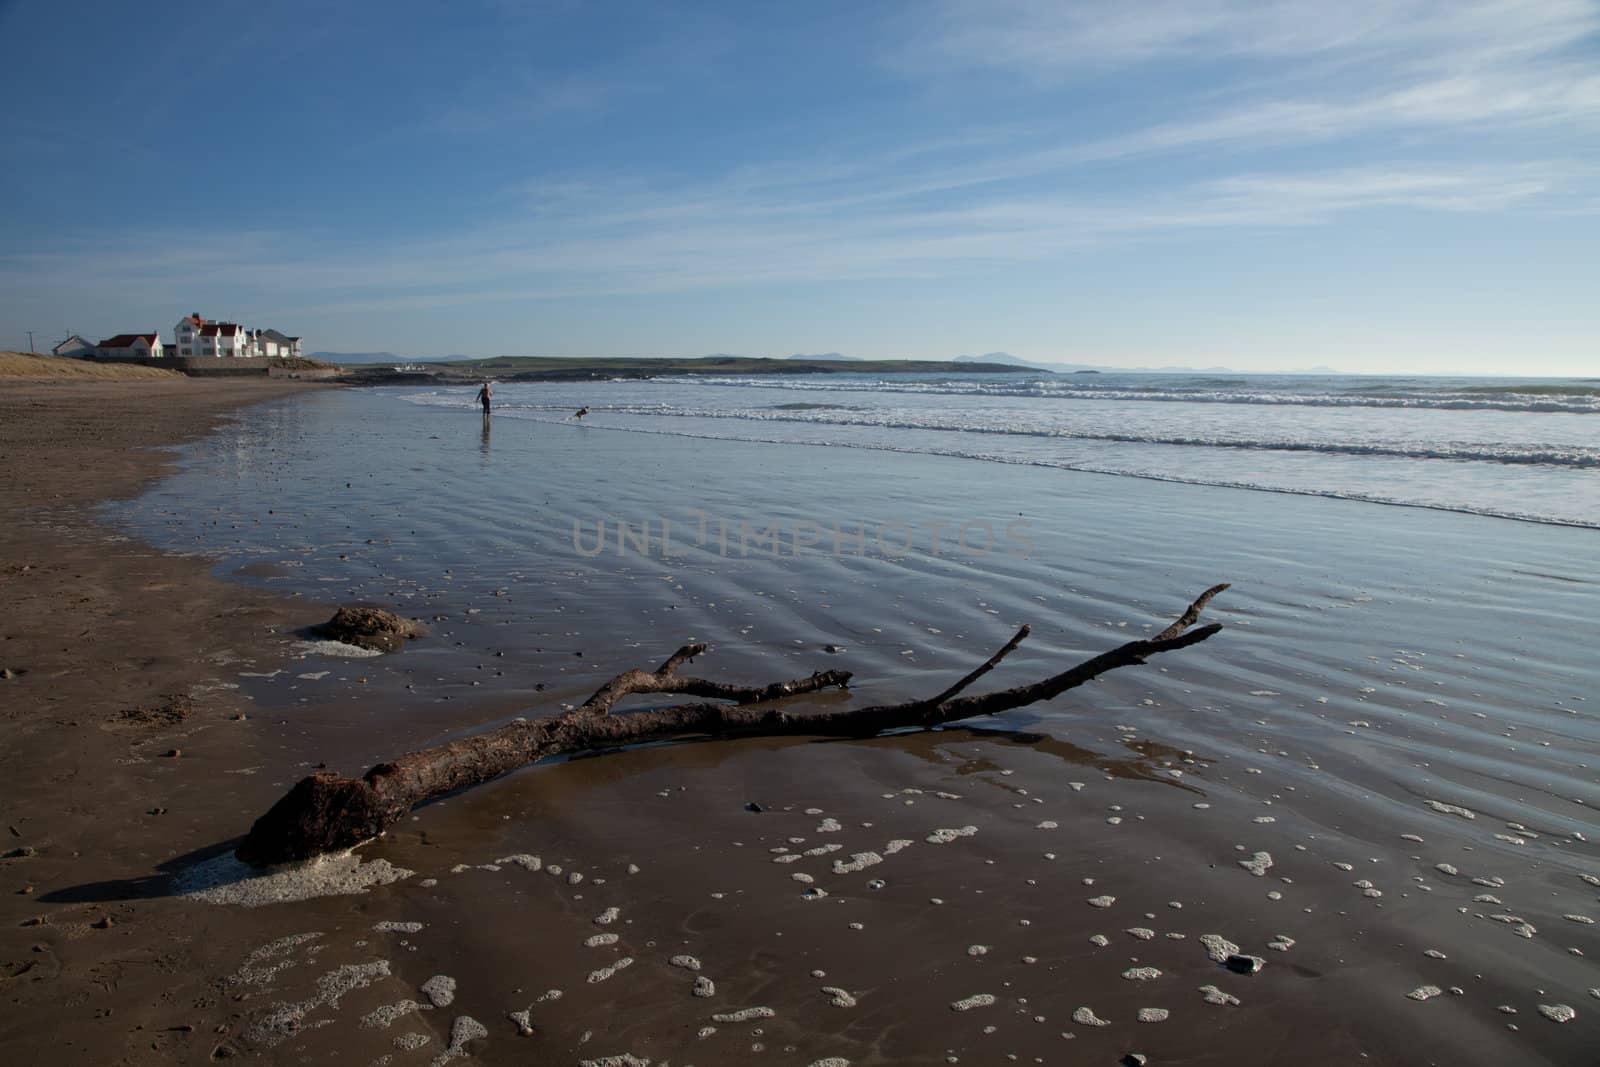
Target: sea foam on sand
(225, 879)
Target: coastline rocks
(369, 628)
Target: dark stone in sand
(372, 628)
(19, 853)
(1134, 1059)
(753, 806)
(1240, 964)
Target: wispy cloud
(1051, 39)
(1413, 106)
(741, 233)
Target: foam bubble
(977, 1000)
(1218, 947)
(386, 1016)
(1258, 864)
(284, 1020)
(601, 974)
(1450, 809)
(225, 879)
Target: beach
(1378, 780)
(119, 654)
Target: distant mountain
(832, 357)
(1014, 361)
(1075, 368)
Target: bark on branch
(325, 812)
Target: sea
(1516, 448)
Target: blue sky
(1390, 186)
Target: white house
(287, 346)
(195, 336)
(143, 345)
(223, 339)
(74, 347)
(187, 335)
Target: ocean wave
(1536, 399)
(546, 414)
(1571, 457)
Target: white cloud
(1055, 38)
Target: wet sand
(119, 653)
(1295, 787)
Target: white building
(142, 345)
(197, 337)
(74, 347)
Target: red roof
(127, 340)
(195, 319)
(220, 329)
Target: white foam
(440, 990)
(225, 879)
(284, 1020)
(463, 1030)
(333, 648)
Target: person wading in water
(484, 396)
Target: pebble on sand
(1213, 995)
(1557, 1013)
(1087, 1017)
(1425, 992)
(1153, 1015)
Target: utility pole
(30, 343)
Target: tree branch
(324, 811)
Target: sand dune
(28, 365)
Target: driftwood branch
(325, 812)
